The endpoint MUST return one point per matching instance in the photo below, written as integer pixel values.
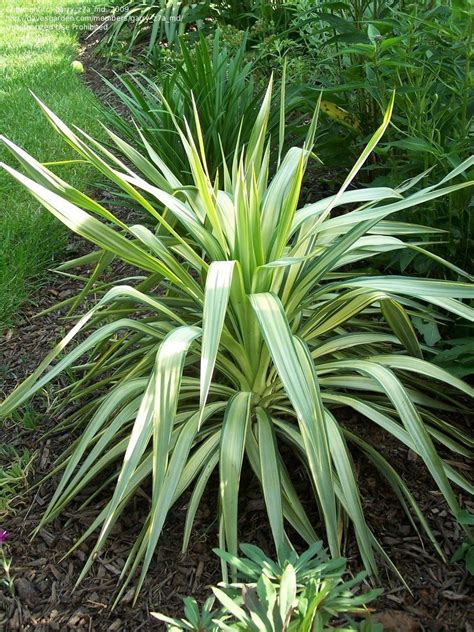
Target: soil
(438, 598)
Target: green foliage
(7, 579)
(465, 552)
(14, 469)
(196, 618)
(152, 23)
(457, 356)
(423, 53)
(251, 325)
(219, 85)
(299, 593)
(357, 53)
(273, 12)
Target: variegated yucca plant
(249, 324)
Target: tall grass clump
(209, 78)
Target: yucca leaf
(397, 484)
(270, 476)
(341, 223)
(234, 429)
(302, 388)
(311, 211)
(162, 503)
(90, 228)
(291, 505)
(423, 368)
(362, 158)
(415, 286)
(31, 386)
(196, 496)
(344, 469)
(399, 321)
(114, 399)
(167, 374)
(411, 420)
(216, 297)
(139, 439)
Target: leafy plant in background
(247, 12)
(457, 356)
(360, 53)
(251, 327)
(465, 552)
(364, 52)
(219, 86)
(301, 592)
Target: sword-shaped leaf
(234, 430)
(298, 377)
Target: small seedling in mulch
(6, 579)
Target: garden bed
(437, 597)
(45, 599)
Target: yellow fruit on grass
(77, 67)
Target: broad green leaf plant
(249, 324)
(302, 593)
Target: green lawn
(38, 42)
